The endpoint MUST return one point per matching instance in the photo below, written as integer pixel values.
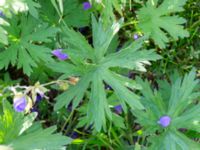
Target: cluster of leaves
(20, 133)
(94, 66)
(179, 100)
(28, 36)
(156, 19)
(25, 38)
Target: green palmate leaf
(17, 132)
(25, 36)
(94, 68)
(131, 58)
(185, 88)
(178, 104)
(154, 18)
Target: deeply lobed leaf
(93, 65)
(178, 104)
(24, 49)
(157, 20)
(15, 131)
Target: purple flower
(86, 5)
(20, 103)
(118, 109)
(164, 121)
(59, 54)
(135, 36)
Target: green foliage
(3, 37)
(156, 20)
(107, 10)
(94, 67)
(33, 6)
(73, 12)
(25, 43)
(177, 100)
(19, 132)
(29, 30)
(16, 6)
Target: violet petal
(164, 121)
(20, 104)
(135, 36)
(59, 54)
(118, 109)
(86, 5)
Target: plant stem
(66, 121)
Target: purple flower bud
(2, 14)
(39, 98)
(34, 109)
(39, 95)
(59, 54)
(74, 135)
(118, 109)
(135, 36)
(164, 121)
(86, 5)
(20, 103)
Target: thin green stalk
(106, 143)
(116, 137)
(66, 121)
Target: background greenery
(44, 22)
